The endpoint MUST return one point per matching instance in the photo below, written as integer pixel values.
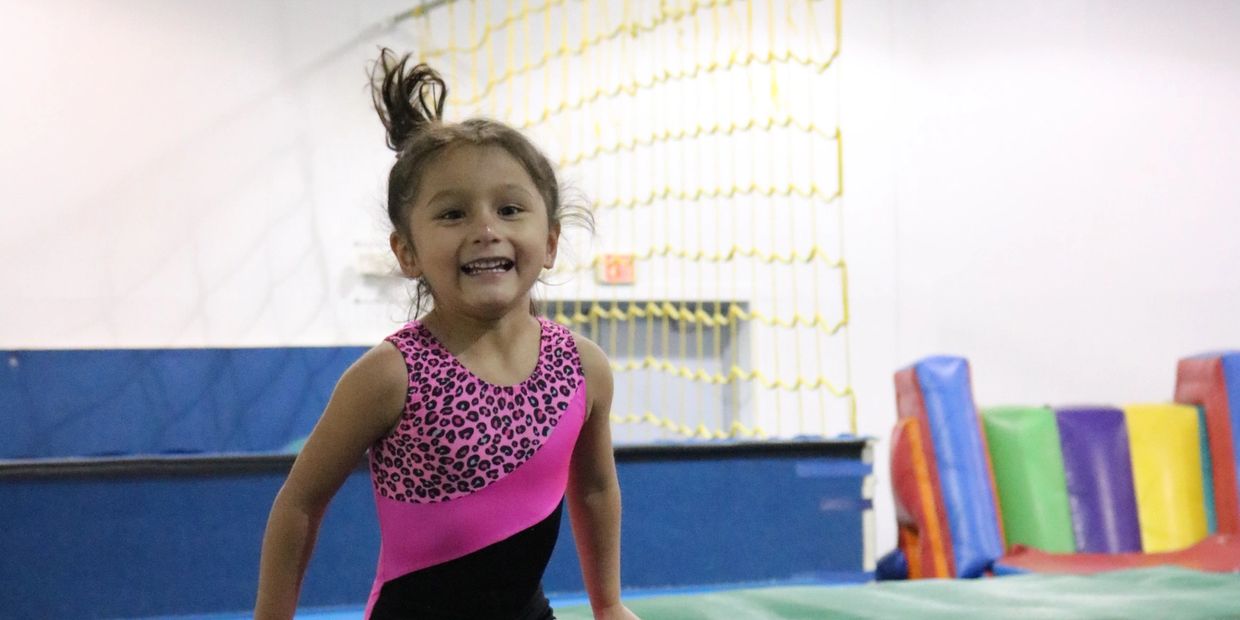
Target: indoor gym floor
(1166, 592)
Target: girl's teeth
(490, 266)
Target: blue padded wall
(183, 537)
(172, 528)
(732, 518)
(56, 404)
(128, 545)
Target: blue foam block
(964, 475)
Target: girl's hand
(615, 612)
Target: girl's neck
(460, 332)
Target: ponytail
(407, 99)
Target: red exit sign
(616, 269)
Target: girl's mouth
(487, 265)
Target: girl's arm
(594, 493)
(365, 405)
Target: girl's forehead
(476, 167)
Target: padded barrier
(1175, 455)
(1212, 381)
(1098, 472)
(1166, 472)
(1028, 466)
(965, 481)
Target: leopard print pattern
(458, 433)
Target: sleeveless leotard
(469, 485)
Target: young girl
(478, 417)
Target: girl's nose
(485, 232)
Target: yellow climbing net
(706, 134)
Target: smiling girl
(479, 418)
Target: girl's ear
(553, 242)
(408, 259)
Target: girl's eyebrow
(446, 193)
(512, 187)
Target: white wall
(1046, 187)
(187, 174)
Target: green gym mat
(1143, 593)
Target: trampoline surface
(1142, 593)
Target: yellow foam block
(1166, 471)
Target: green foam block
(1028, 466)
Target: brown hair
(410, 103)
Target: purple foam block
(1098, 470)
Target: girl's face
(479, 232)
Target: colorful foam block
(1028, 466)
(1098, 473)
(1212, 381)
(922, 532)
(1166, 473)
(966, 484)
(923, 535)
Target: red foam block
(1199, 381)
(1216, 554)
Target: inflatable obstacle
(1073, 489)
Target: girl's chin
(488, 296)
(494, 305)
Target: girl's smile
(484, 266)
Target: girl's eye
(452, 214)
(510, 210)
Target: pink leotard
(473, 474)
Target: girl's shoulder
(365, 404)
(597, 369)
(593, 359)
(381, 370)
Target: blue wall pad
(135, 537)
(964, 473)
(57, 404)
